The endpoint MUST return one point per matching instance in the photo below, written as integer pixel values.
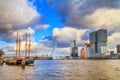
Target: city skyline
(67, 20)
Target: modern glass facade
(98, 41)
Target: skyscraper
(93, 42)
(98, 41)
(87, 50)
(74, 49)
(102, 41)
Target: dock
(17, 61)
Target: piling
(23, 63)
(1, 62)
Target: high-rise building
(74, 49)
(118, 48)
(102, 41)
(87, 45)
(93, 42)
(98, 41)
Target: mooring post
(23, 63)
(1, 62)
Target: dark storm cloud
(73, 12)
(16, 15)
(6, 33)
(88, 14)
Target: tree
(1, 52)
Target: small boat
(18, 60)
(26, 60)
(29, 62)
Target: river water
(64, 70)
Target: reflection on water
(64, 70)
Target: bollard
(1, 62)
(23, 63)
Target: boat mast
(17, 45)
(29, 46)
(19, 42)
(26, 45)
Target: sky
(67, 20)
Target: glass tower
(98, 41)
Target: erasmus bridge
(54, 52)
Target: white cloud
(115, 38)
(22, 33)
(66, 35)
(73, 12)
(16, 12)
(25, 31)
(113, 41)
(15, 15)
(33, 45)
(104, 18)
(42, 27)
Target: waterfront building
(102, 41)
(118, 48)
(98, 42)
(74, 49)
(93, 42)
(83, 54)
(87, 46)
(111, 52)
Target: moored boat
(18, 60)
(29, 62)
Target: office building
(87, 46)
(74, 49)
(102, 41)
(98, 42)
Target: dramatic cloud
(115, 38)
(105, 18)
(113, 41)
(88, 13)
(16, 14)
(11, 37)
(66, 35)
(79, 18)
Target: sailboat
(27, 58)
(17, 60)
